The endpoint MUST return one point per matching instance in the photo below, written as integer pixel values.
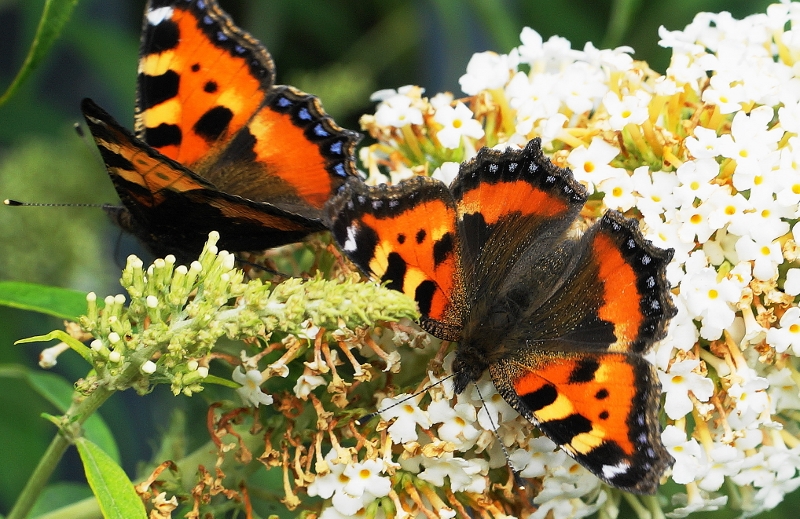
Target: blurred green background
(340, 50)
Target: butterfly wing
(509, 203)
(574, 364)
(207, 99)
(171, 209)
(405, 236)
(601, 408)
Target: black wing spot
(157, 89)
(602, 394)
(420, 237)
(210, 87)
(423, 295)
(163, 135)
(164, 36)
(395, 271)
(541, 398)
(195, 67)
(213, 123)
(584, 372)
(442, 249)
(401, 238)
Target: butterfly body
(217, 145)
(561, 321)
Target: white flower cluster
(708, 157)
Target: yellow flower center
(588, 167)
(696, 219)
(713, 294)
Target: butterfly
(561, 322)
(216, 144)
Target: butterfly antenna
(254, 265)
(517, 478)
(17, 203)
(366, 418)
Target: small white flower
(251, 392)
(705, 144)
(766, 257)
(398, 111)
(306, 384)
(618, 192)
(457, 122)
(677, 384)
(710, 300)
(466, 475)
(628, 110)
(446, 172)
(689, 465)
(487, 71)
(365, 479)
(792, 284)
(407, 416)
(49, 356)
(788, 334)
(590, 166)
(750, 396)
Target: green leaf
(59, 392)
(63, 336)
(54, 17)
(110, 485)
(213, 379)
(59, 302)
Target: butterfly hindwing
(171, 208)
(601, 408)
(405, 235)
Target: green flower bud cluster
(176, 315)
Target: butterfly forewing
(405, 236)
(207, 99)
(268, 157)
(172, 209)
(201, 78)
(508, 202)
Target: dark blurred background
(340, 50)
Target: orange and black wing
(207, 99)
(574, 362)
(172, 210)
(512, 204)
(405, 236)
